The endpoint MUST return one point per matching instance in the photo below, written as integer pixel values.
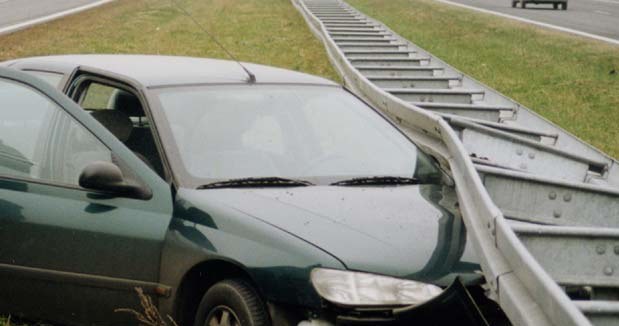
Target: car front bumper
(455, 306)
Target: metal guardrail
(540, 205)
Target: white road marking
(559, 28)
(608, 1)
(18, 26)
(602, 12)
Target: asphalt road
(19, 11)
(599, 17)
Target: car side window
(98, 96)
(40, 141)
(121, 112)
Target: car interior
(123, 115)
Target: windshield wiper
(377, 181)
(257, 182)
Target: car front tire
(231, 302)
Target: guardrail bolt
(616, 250)
(609, 270)
(567, 197)
(556, 213)
(519, 151)
(552, 195)
(600, 249)
(531, 155)
(523, 166)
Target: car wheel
(523, 4)
(564, 6)
(231, 303)
(514, 4)
(555, 6)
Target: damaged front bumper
(455, 306)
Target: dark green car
(286, 201)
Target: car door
(67, 253)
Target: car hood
(413, 232)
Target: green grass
(565, 78)
(263, 31)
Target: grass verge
(567, 79)
(270, 32)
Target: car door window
(98, 96)
(39, 140)
(121, 112)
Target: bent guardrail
(531, 194)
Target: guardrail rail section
(540, 205)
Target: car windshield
(317, 133)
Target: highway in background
(23, 13)
(598, 17)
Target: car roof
(157, 70)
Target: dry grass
(150, 315)
(10, 321)
(565, 78)
(262, 31)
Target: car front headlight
(363, 289)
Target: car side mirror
(108, 177)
